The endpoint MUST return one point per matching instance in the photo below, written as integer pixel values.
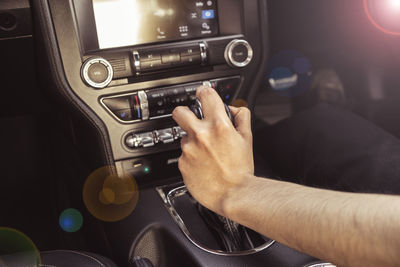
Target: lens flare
(13, 244)
(384, 15)
(394, 3)
(289, 73)
(71, 220)
(109, 197)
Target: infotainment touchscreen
(121, 23)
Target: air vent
(118, 64)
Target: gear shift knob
(197, 109)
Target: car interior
(90, 153)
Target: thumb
(242, 121)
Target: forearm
(350, 229)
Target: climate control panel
(151, 104)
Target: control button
(140, 140)
(166, 136)
(147, 139)
(97, 72)
(144, 105)
(191, 59)
(179, 132)
(157, 99)
(191, 89)
(191, 92)
(177, 97)
(208, 14)
(190, 51)
(171, 58)
(207, 83)
(132, 141)
(238, 53)
(151, 65)
(146, 56)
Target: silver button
(147, 139)
(179, 133)
(132, 141)
(207, 83)
(166, 136)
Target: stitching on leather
(81, 254)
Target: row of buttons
(160, 59)
(160, 102)
(149, 139)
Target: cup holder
(184, 210)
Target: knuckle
(176, 111)
(221, 128)
(246, 111)
(202, 136)
(205, 92)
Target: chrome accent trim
(207, 83)
(229, 53)
(85, 72)
(161, 117)
(112, 114)
(144, 105)
(321, 264)
(16, 37)
(181, 190)
(136, 62)
(200, 108)
(203, 52)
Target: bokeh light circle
(13, 244)
(108, 197)
(289, 73)
(71, 220)
(367, 8)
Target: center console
(120, 67)
(128, 64)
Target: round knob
(238, 53)
(97, 72)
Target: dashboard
(125, 65)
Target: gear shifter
(197, 109)
(232, 236)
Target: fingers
(185, 119)
(212, 104)
(242, 120)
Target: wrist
(235, 196)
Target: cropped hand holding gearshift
(209, 170)
(347, 229)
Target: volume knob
(97, 72)
(238, 53)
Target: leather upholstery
(61, 258)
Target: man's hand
(217, 166)
(217, 157)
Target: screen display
(133, 22)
